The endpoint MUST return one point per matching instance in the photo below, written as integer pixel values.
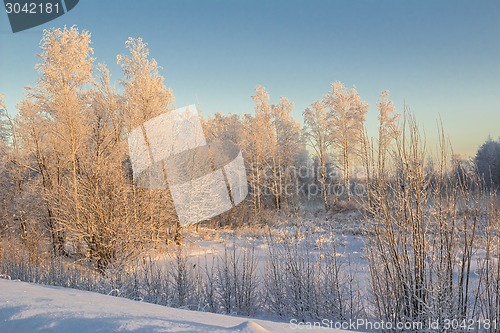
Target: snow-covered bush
(304, 281)
(237, 281)
(426, 231)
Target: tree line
(66, 175)
(65, 168)
(68, 199)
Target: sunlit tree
(318, 133)
(347, 112)
(388, 127)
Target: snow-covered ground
(26, 308)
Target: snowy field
(26, 307)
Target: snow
(26, 307)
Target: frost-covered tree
(65, 70)
(3, 121)
(289, 144)
(112, 227)
(487, 161)
(39, 159)
(145, 93)
(318, 134)
(144, 98)
(52, 120)
(224, 128)
(259, 144)
(347, 114)
(388, 127)
(5, 182)
(71, 130)
(271, 143)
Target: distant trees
(335, 126)
(274, 143)
(260, 144)
(271, 141)
(68, 154)
(225, 128)
(487, 161)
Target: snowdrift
(26, 307)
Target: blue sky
(440, 57)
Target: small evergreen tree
(488, 162)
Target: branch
(17, 163)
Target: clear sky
(441, 57)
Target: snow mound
(32, 308)
(248, 327)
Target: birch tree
(65, 70)
(146, 97)
(224, 128)
(271, 141)
(5, 182)
(318, 134)
(3, 120)
(260, 143)
(145, 93)
(347, 115)
(36, 155)
(388, 128)
(288, 146)
(109, 230)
